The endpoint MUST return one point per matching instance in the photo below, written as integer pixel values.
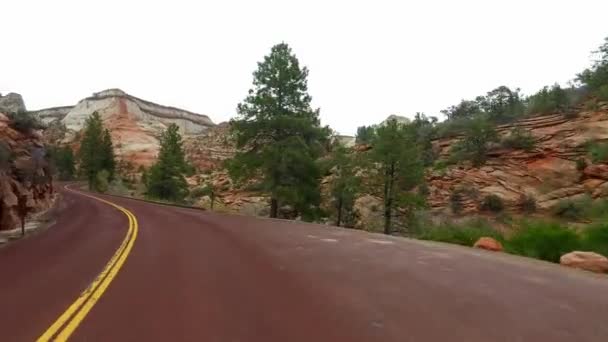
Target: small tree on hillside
(596, 77)
(396, 158)
(279, 136)
(365, 134)
(475, 143)
(344, 185)
(166, 177)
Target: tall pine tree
(165, 179)
(279, 135)
(396, 157)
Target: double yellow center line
(67, 323)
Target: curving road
(198, 276)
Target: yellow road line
(73, 316)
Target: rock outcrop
(588, 261)
(11, 102)
(548, 173)
(135, 124)
(25, 180)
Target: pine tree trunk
(274, 207)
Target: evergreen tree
(596, 77)
(91, 160)
(365, 134)
(165, 179)
(344, 186)
(108, 162)
(396, 158)
(279, 136)
(62, 159)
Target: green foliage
(595, 238)
(279, 136)
(396, 158)
(96, 151)
(166, 177)
(596, 77)
(492, 203)
(591, 105)
(64, 161)
(456, 199)
(475, 143)
(464, 110)
(344, 186)
(425, 133)
(5, 156)
(466, 234)
(101, 181)
(25, 122)
(598, 152)
(572, 209)
(502, 105)
(543, 240)
(527, 203)
(581, 164)
(206, 190)
(602, 93)
(365, 134)
(519, 139)
(548, 100)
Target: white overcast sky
(367, 59)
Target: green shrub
(456, 201)
(602, 93)
(581, 164)
(5, 156)
(527, 203)
(492, 203)
(101, 181)
(543, 240)
(24, 121)
(598, 152)
(519, 139)
(591, 105)
(199, 192)
(572, 209)
(595, 239)
(465, 235)
(548, 100)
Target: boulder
(588, 261)
(489, 244)
(597, 171)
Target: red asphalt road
(198, 276)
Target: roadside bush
(465, 235)
(572, 209)
(199, 192)
(595, 238)
(519, 139)
(598, 152)
(492, 203)
(527, 203)
(543, 240)
(101, 181)
(24, 122)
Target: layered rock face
(549, 173)
(135, 124)
(25, 180)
